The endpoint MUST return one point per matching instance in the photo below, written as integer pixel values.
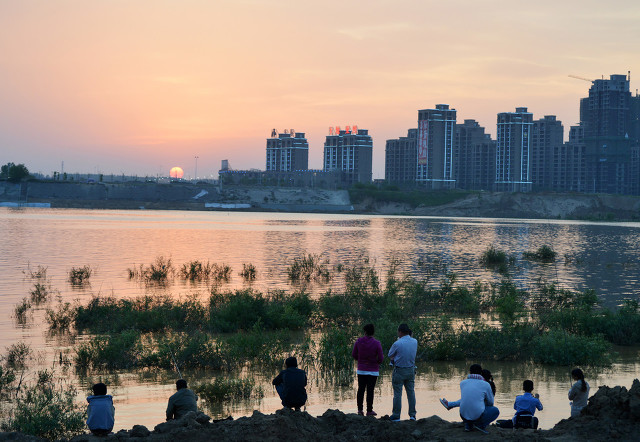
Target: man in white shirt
(403, 356)
(476, 403)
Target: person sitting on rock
(290, 385)
(525, 405)
(182, 401)
(100, 411)
(476, 402)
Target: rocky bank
(612, 413)
(521, 205)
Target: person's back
(100, 411)
(290, 385)
(182, 401)
(525, 405)
(368, 352)
(475, 395)
(579, 392)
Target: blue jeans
(490, 414)
(403, 377)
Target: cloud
(377, 31)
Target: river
(601, 256)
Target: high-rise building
(547, 137)
(513, 172)
(568, 163)
(287, 152)
(400, 158)
(436, 136)
(350, 151)
(606, 115)
(474, 157)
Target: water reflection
(590, 255)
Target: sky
(140, 86)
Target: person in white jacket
(476, 401)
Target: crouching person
(290, 385)
(100, 411)
(525, 405)
(182, 401)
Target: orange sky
(139, 86)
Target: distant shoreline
(207, 197)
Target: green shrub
(558, 347)
(224, 390)
(543, 254)
(46, 409)
(495, 259)
(123, 350)
(334, 350)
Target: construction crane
(581, 78)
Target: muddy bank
(520, 205)
(612, 413)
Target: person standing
(368, 352)
(579, 392)
(182, 401)
(403, 357)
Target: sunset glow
(134, 87)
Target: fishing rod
(175, 364)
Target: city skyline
(140, 87)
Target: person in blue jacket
(290, 385)
(100, 412)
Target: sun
(176, 172)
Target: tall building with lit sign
(349, 151)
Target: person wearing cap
(403, 357)
(182, 401)
(290, 385)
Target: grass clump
(493, 257)
(39, 293)
(80, 275)
(196, 271)
(225, 390)
(221, 272)
(159, 271)
(21, 310)
(248, 272)
(62, 318)
(309, 268)
(543, 254)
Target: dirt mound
(612, 413)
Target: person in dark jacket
(368, 352)
(100, 411)
(181, 402)
(290, 385)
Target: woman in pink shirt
(368, 352)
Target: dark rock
(140, 431)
